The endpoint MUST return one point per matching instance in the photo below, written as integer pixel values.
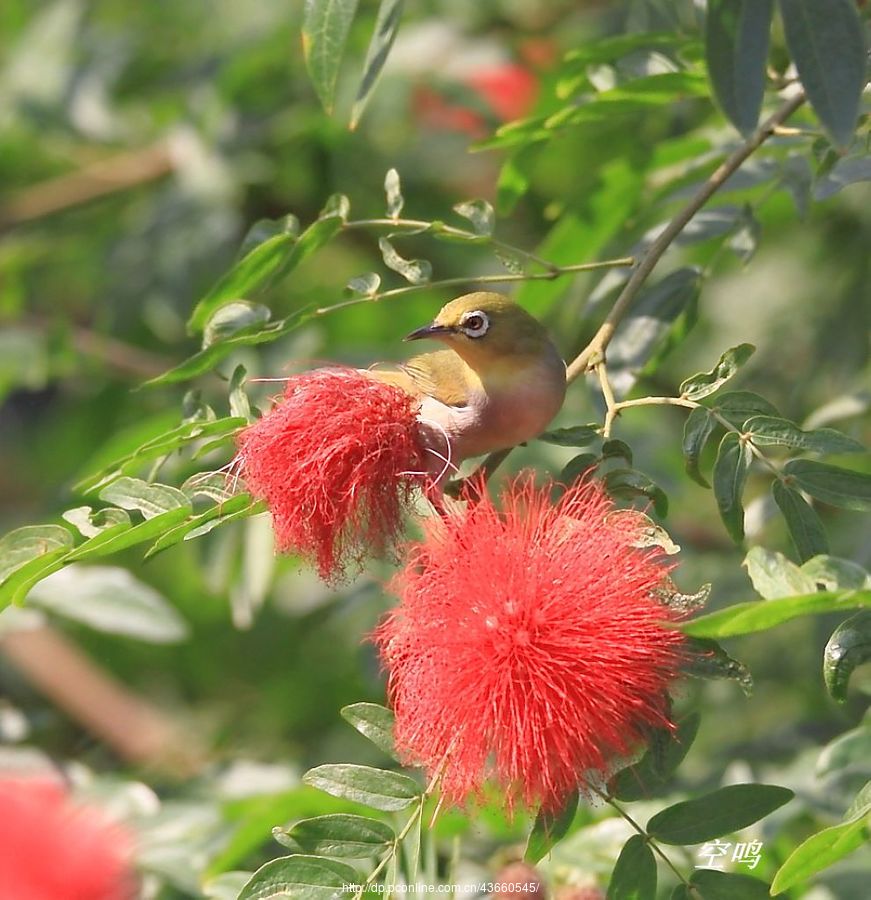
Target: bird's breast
(505, 409)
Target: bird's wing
(441, 375)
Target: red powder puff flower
(336, 460)
(529, 644)
(52, 849)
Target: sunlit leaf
(378, 788)
(325, 28)
(339, 834)
(299, 878)
(746, 618)
(25, 544)
(774, 430)
(707, 382)
(383, 35)
(415, 271)
(822, 850)
(373, 722)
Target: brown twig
(136, 730)
(594, 352)
(98, 179)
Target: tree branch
(594, 352)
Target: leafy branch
(594, 352)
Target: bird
(498, 382)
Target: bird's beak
(428, 331)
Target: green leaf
(730, 476)
(273, 258)
(378, 788)
(111, 600)
(25, 544)
(736, 47)
(149, 498)
(848, 647)
(122, 536)
(848, 750)
(665, 752)
(805, 526)
(393, 190)
(549, 829)
(239, 507)
(207, 359)
(773, 575)
(835, 574)
(826, 42)
(325, 28)
(711, 884)
(17, 584)
(383, 35)
(647, 326)
(704, 658)
(773, 430)
(339, 834)
(162, 445)
(299, 878)
(366, 284)
(706, 383)
(240, 406)
(617, 449)
(256, 268)
(630, 483)
(373, 722)
(479, 213)
(822, 850)
(720, 812)
(576, 467)
(415, 271)
(233, 317)
(697, 429)
(747, 618)
(738, 406)
(91, 523)
(575, 436)
(831, 484)
(634, 875)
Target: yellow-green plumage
(499, 383)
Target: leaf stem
(617, 408)
(594, 352)
(648, 839)
(421, 225)
(554, 271)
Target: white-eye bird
(499, 382)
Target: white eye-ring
(474, 324)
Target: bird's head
(488, 329)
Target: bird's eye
(475, 324)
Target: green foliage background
(222, 128)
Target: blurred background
(140, 142)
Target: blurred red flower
(336, 460)
(53, 849)
(530, 644)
